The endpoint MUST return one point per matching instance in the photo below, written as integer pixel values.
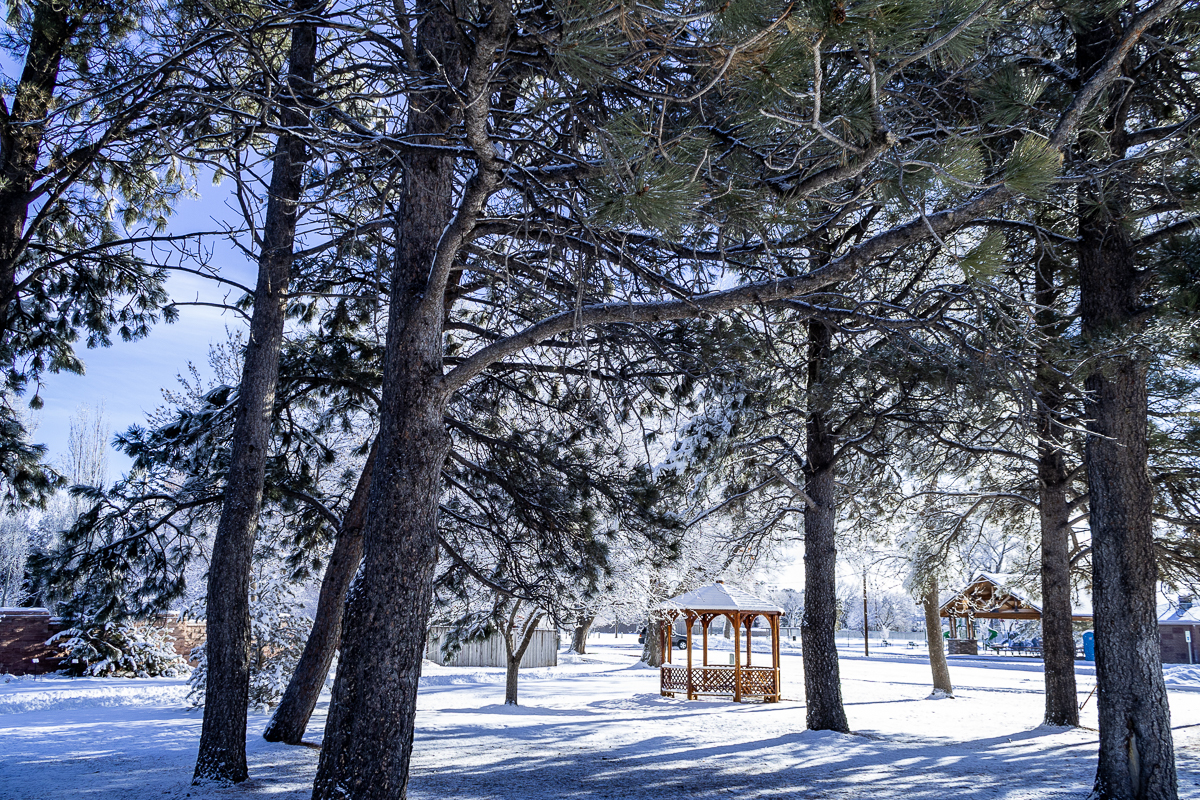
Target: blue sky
(128, 378)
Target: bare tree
(518, 633)
(86, 459)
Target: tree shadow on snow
(803, 764)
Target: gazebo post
(749, 625)
(691, 687)
(774, 620)
(737, 657)
(705, 620)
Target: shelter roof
(992, 595)
(719, 597)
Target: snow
(1179, 616)
(596, 727)
(1182, 675)
(719, 597)
(50, 692)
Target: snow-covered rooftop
(719, 597)
(1177, 616)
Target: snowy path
(599, 729)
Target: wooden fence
(542, 652)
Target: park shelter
(990, 596)
(741, 678)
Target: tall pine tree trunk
(1137, 758)
(368, 737)
(1058, 640)
(300, 698)
(21, 135)
(818, 627)
(938, 663)
(222, 754)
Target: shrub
(119, 649)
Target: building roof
(1174, 616)
(719, 597)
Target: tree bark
(937, 650)
(1137, 758)
(652, 652)
(822, 680)
(516, 651)
(21, 134)
(368, 737)
(369, 734)
(579, 639)
(290, 719)
(1058, 640)
(222, 754)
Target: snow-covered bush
(277, 639)
(119, 649)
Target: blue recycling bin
(1089, 646)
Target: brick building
(24, 631)
(1174, 627)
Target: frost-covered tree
(14, 549)
(278, 632)
(118, 649)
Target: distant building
(1174, 626)
(491, 652)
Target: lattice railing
(756, 681)
(759, 681)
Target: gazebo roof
(719, 597)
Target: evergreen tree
(222, 755)
(1120, 217)
(470, 242)
(86, 186)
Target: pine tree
(468, 245)
(222, 755)
(86, 186)
(1136, 755)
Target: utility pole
(866, 639)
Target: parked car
(678, 640)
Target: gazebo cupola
(739, 679)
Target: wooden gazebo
(738, 679)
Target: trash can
(1089, 646)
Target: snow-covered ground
(596, 727)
